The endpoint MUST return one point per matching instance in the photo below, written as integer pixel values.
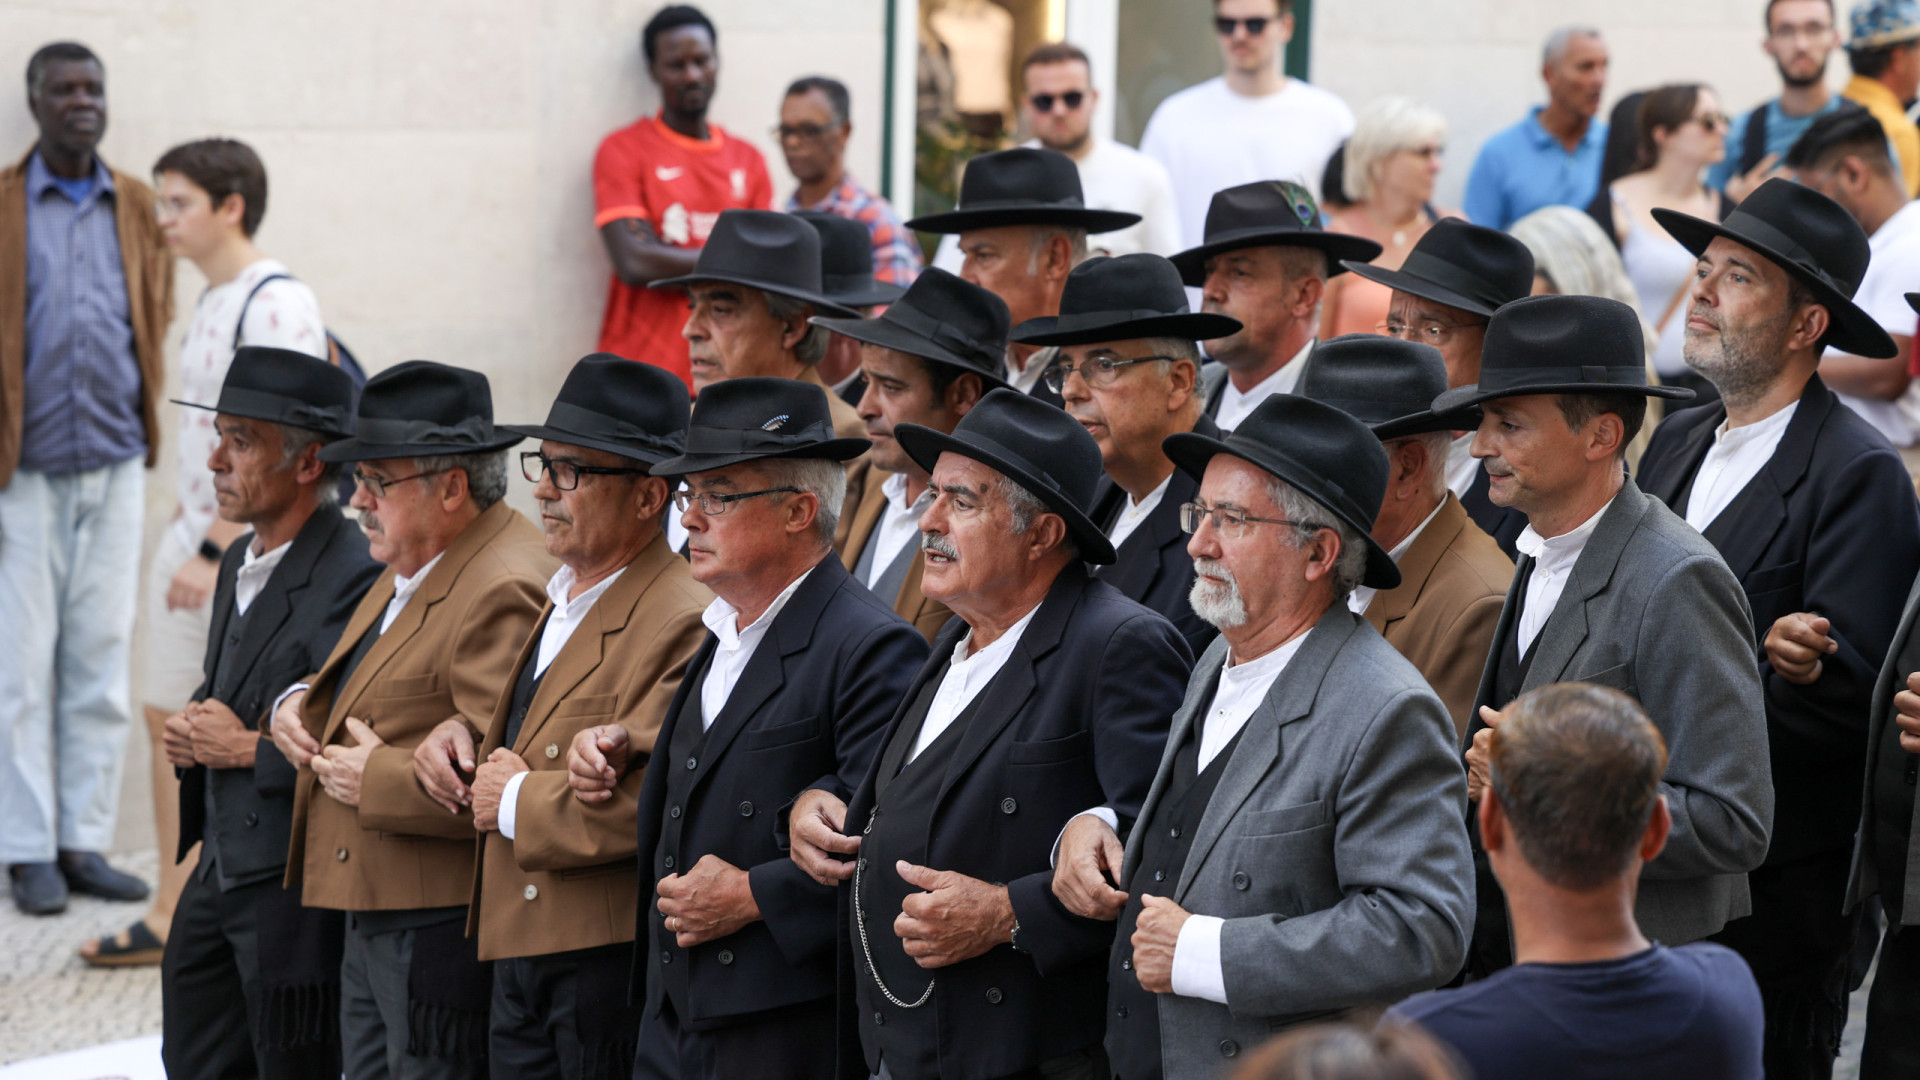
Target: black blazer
(1829, 525)
(809, 711)
(1153, 566)
(290, 628)
(1503, 523)
(1076, 719)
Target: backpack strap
(1753, 144)
(240, 324)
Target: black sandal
(141, 950)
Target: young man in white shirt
(1250, 123)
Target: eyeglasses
(804, 132)
(380, 485)
(1098, 374)
(714, 505)
(1717, 121)
(1427, 331)
(1043, 103)
(1230, 522)
(566, 474)
(1255, 26)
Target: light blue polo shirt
(1525, 168)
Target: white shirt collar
(1361, 596)
(1552, 552)
(967, 674)
(1133, 513)
(1553, 562)
(1735, 458)
(1234, 405)
(1242, 688)
(724, 619)
(252, 575)
(403, 590)
(1025, 379)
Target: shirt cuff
(1196, 960)
(284, 695)
(1103, 813)
(508, 799)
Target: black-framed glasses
(380, 485)
(1043, 103)
(1232, 522)
(1256, 25)
(1099, 373)
(1424, 331)
(805, 132)
(713, 505)
(566, 474)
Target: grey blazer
(1335, 845)
(1652, 610)
(1863, 880)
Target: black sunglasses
(1255, 26)
(1043, 103)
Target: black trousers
(1800, 947)
(563, 1016)
(795, 1043)
(212, 1022)
(1892, 1050)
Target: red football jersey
(679, 186)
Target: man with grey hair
(1303, 848)
(411, 686)
(1049, 693)
(1551, 158)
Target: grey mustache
(938, 544)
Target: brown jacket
(927, 616)
(148, 264)
(447, 656)
(565, 880)
(1453, 581)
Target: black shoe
(38, 888)
(87, 872)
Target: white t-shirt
(1210, 138)
(1115, 176)
(285, 315)
(1894, 272)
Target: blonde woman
(1391, 163)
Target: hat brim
(867, 296)
(831, 450)
(1414, 285)
(821, 301)
(1188, 326)
(350, 449)
(890, 335)
(925, 445)
(252, 414)
(1190, 452)
(1462, 397)
(1340, 249)
(1428, 421)
(959, 221)
(551, 434)
(1853, 330)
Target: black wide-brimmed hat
(943, 319)
(846, 261)
(285, 387)
(1036, 445)
(1384, 382)
(1268, 213)
(1122, 299)
(1022, 186)
(765, 250)
(618, 405)
(757, 418)
(1331, 457)
(1813, 239)
(1561, 345)
(422, 409)
(1470, 267)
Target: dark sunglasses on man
(1043, 103)
(1256, 25)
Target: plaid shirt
(896, 256)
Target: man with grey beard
(1812, 509)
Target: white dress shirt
(899, 524)
(1234, 405)
(1133, 513)
(561, 622)
(403, 590)
(1462, 466)
(1553, 559)
(1024, 379)
(253, 574)
(1736, 457)
(736, 647)
(967, 674)
(1361, 596)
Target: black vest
(221, 689)
(1891, 789)
(1133, 1013)
(667, 960)
(1511, 668)
(906, 793)
(527, 685)
(359, 653)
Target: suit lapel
(866, 517)
(1200, 687)
(1672, 477)
(1566, 628)
(270, 610)
(1745, 529)
(1418, 565)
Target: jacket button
(1126, 965)
(669, 862)
(553, 751)
(1174, 832)
(1008, 806)
(726, 956)
(1159, 875)
(879, 1020)
(994, 996)
(1121, 1012)
(1241, 881)
(1229, 1048)
(693, 763)
(530, 892)
(666, 956)
(252, 819)
(673, 812)
(341, 854)
(746, 809)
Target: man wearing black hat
(249, 975)
(1260, 895)
(1265, 263)
(792, 687)
(1023, 225)
(1780, 475)
(1129, 371)
(552, 900)
(1049, 694)
(1453, 577)
(411, 686)
(1451, 283)
(1614, 588)
(847, 278)
(928, 361)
